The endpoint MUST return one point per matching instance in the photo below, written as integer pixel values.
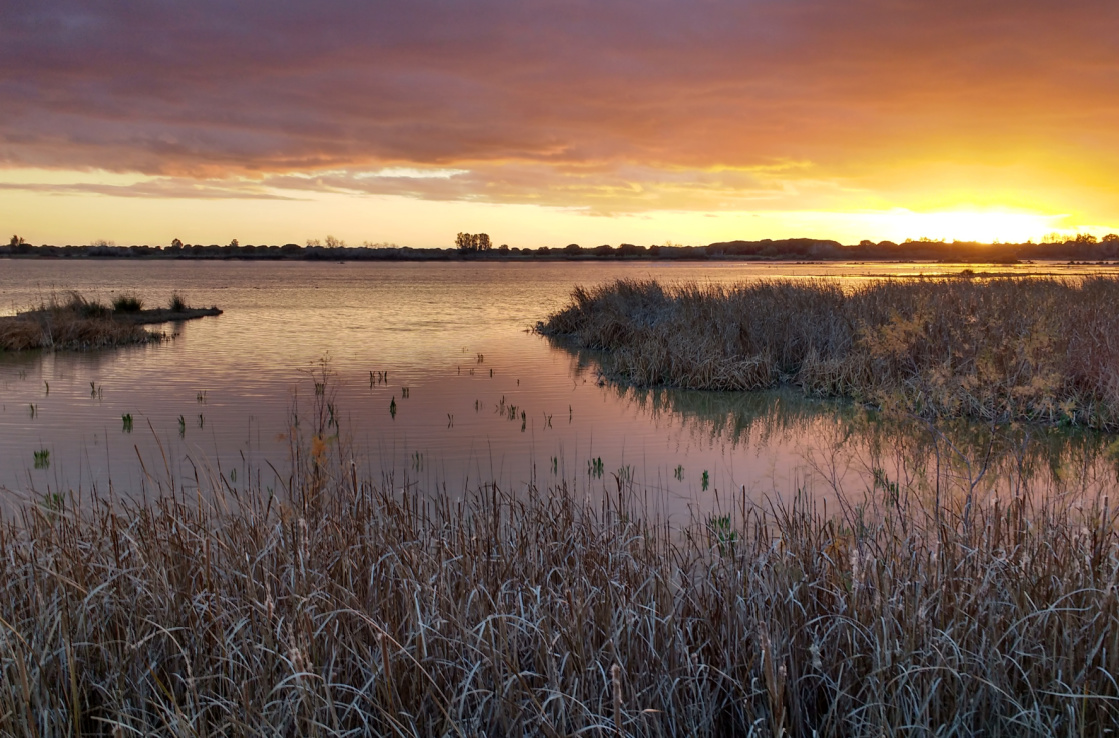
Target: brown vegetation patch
(63, 330)
(545, 614)
(999, 350)
(78, 323)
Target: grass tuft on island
(74, 322)
(998, 350)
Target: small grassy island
(997, 350)
(77, 323)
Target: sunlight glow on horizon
(91, 214)
(983, 226)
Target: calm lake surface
(478, 396)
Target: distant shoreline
(794, 249)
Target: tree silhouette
(469, 243)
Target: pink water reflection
(486, 399)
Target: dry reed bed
(67, 331)
(998, 350)
(372, 611)
(75, 323)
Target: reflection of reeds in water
(740, 418)
(997, 350)
(1064, 461)
(353, 607)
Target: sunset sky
(550, 122)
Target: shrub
(127, 302)
(83, 307)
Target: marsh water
(434, 378)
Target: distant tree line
(1083, 247)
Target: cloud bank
(608, 106)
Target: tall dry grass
(998, 349)
(359, 608)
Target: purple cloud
(521, 94)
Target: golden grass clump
(67, 330)
(369, 610)
(998, 350)
(74, 322)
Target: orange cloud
(607, 106)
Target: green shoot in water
(721, 534)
